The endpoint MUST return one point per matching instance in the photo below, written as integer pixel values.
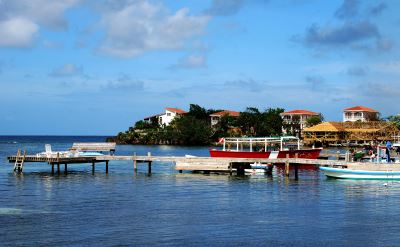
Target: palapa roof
(226, 112)
(176, 110)
(363, 130)
(360, 108)
(300, 112)
(325, 127)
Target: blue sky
(95, 67)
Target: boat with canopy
(264, 147)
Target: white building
(215, 117)
(360, 113)
(301, 115)
(169, 115)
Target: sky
(95, 67)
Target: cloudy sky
(96, 67)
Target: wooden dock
(76, 155)
(203, 164)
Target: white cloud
(17, 32)
(67, 70)
(141, 26)
(20, 20)
(191, 62)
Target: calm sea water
(168, 208)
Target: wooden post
(230, 168)
(287, 165)
(240, 170)
(93, 167)
(106, 166)
(134, 163)
(296, 171)
(65, 168)
(58, 168)
(149, 167)
(52, 169)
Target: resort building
(360, 113)
(297, 117)
(169, 115)
(215, 117)
(166, 118)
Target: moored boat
(364, 173)
(264, 147)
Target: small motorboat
(259, 169)
(386, 172)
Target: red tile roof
(300, 112)
(360, 108)
(226, 112)
(176, 110)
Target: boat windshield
(263, 143)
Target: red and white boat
(264, 147)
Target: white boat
(379, 169)
(258, 169)
(351, 173)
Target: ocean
(189, 209)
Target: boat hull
(360, 174)
(301, 153)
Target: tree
(191, 131)
(314, 120)
(224, 126)
(198, 112)
(271, 122)
(394, 119)
(256, 123)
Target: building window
(168, 114)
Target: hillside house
(215, 117)
(164, 119)
(360, 113)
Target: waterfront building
(299, 117)
(360, 113)
(350, 133)
(215, 117)
(164, 119)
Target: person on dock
(388, 148)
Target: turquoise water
(169, 208)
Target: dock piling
(149, 171)
(296, 168)
(58, 168)
(107, 166)
(93, 167)
(287, 165)
(65, 169)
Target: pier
(88, 153)
(196, 164)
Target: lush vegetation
(395, 119)
(314, 120)
(194, 128)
